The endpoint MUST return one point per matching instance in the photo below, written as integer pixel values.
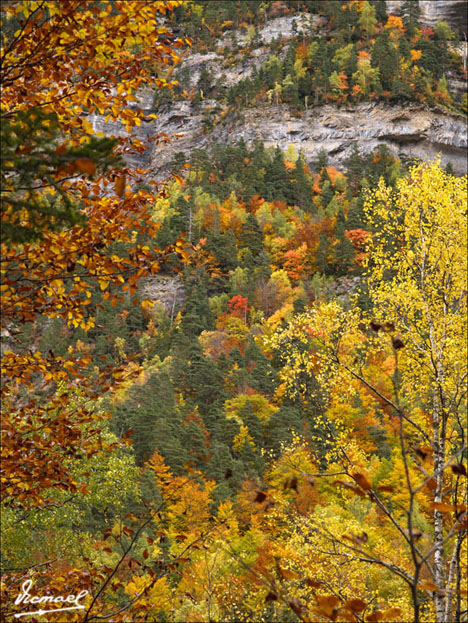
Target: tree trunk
(439, 459)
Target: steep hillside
(214, 101)
(238, 395)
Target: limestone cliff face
(413, 130)
(454, 12)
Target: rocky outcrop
(169, 292)
(240, 66)
(144, 132)
(413, 130)
(454, 12)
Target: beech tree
(67, 187)
(65, 208)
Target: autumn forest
(233, 391)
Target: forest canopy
(239, 395)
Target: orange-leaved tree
(71, 228)
(65, 206)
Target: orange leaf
(443, 507)
(391, 613)
(327, 603)
(350, 486)
(85, 165)
(313, 583)
(355, 605)
(287, 574)
(119, 184)
(361, 481)
(428, 586)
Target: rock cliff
(413, 130)
(454, 12)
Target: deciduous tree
(410, 354)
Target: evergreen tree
(322, 257)
(434, 58)
(380, 7)
(150, 411)
(251, 235)
(290, 90)
(34, 157)
(262, 376)
(356, 216)
(302, 189)
(305, 86)
(277, 178)
(322, 160)
(354, 168)
(404, 49)
(289, 60)
(327, 194)
(224, 246)
(410, 13)
(401, 90)
(351, 63)
(344, 250)
(197, 313)
(385, 58)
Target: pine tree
(262, 376)
(354, 168)
(344, 250)
(148, 408)
(302, 189)
(434, 58)
(322, 160)
(34, 156)
(251, 235)
(410, 12)
(351, 63)
(404, 48)
(380, 7)
(277, 178)
(356, 216)
(197, 313)
(327, 194)
(322, 257)
(385, 58)
(290, 90)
